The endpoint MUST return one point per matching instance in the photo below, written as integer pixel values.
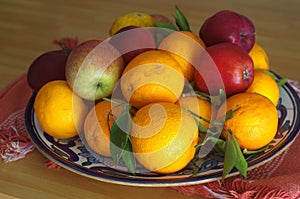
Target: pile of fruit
(156, 93)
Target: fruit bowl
(73, 155)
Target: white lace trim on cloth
(14, 141)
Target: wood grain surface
(28, 27)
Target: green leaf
(230, 158)
(128, 158)
(120, 144)
(241, 163)
(220, 121)
(119, 135)
(220, 145)
(181, 20)
(201, 127)
(167, 25)
(218, 99)
(230, 114)
(192, 85)
(198, 116)
(233, 157)
(271, 74)
(202, 94)
(114, 101)
(281, 82)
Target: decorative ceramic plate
(74, 156)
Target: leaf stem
(113, 101)
(246, 151)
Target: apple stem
(64, 47)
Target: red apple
(224, 66)
(228, 26)
(131, 41)
(47, 67)
(50, 65)
(93, 69)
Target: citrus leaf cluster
(181, 21)
(120, 144)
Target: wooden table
(28, 27)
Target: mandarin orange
(164, 137)
(255, 119)
(152, 76)
(185, 47)
(97, 126)
(259, 57)
(59, 111)
(265, 84)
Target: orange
(259, 57)
(152, 76)
(255, 119)
(59, 111)
(164, 137)
(265, 85)
(139, 19)
(97, 126)
(199, 106)
(184, 46)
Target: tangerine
(185, 47)
(255, 119)
(164, 137)
(152, 76)
(260, 57)
(59, 111)
(97, 126)
(265, 85)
